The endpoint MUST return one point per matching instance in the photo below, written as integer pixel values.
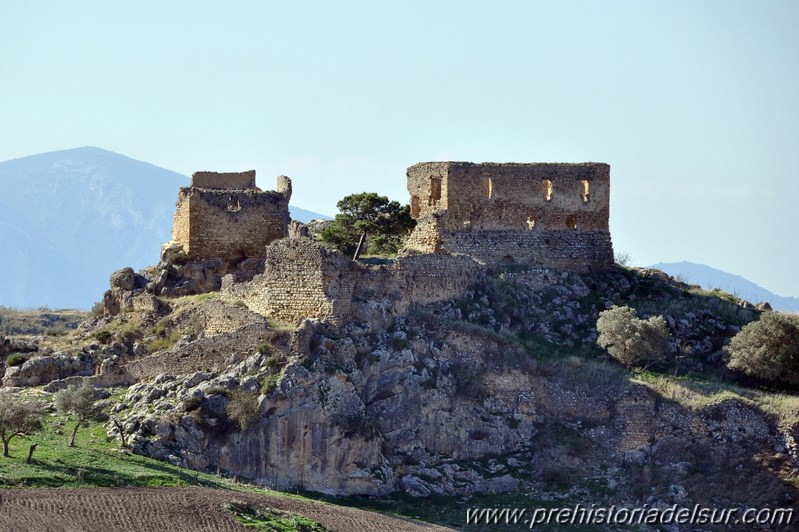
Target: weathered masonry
(549, 215)
(225, 215)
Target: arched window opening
(435, 190)
(415, 210)
(233, 204)
(530, 222)
(490, 188)
(571, 222)
(546, 189)
(586, 190)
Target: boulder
(124, 279)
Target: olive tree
(768, 348)
(630, 340)
(18, 417)
(78, 401)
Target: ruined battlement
(225, 215)
(539, 214)
(224, 180)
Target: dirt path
(170, 509)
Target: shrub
(263, 348)
(16, 360)
(243, 408)
(269, 384)
(103, 336)
(98, 309)
(216, 389)
(768, 348)
(128, 334)
(632, 341)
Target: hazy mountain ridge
(710, 278)
(69, 218)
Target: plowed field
(170, 509)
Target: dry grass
(696, 395)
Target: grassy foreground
(95, 461)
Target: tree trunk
(118, 425)
(360, 246)
(74, 432)
(30, 452)
(5, 448)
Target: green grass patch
(96, 460)
(272, 520)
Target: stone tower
(548, 215)
(225, 215)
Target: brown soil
(170, 509)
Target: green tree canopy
(630, 340)
(768, 348)
(78, 401)
(17, 417)
(369, 217)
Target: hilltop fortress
(523, 221)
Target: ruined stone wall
(424, 279)
(224, 180)
(546, 215)
(301, 280)
(214, 353)
(233, 224)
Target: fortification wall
(215, 353)
(425, 279)
(543, 214)
(301, 280)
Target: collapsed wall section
(541, 214)
(302, 279)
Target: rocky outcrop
(43, 369)
(448, 407)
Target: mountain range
(69, 218)
(710, 278)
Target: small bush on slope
(768, 348)
(632, 341)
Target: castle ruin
(549, 215)
(226, 215)
(537, 217)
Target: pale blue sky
(694, 104)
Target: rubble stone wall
(214, 353)
(224, 180)
(302, 279)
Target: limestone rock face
(427, 402)
(41, 370)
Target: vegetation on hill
(551, 336)
(42, 321)
(768, 348)
(371, 220)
